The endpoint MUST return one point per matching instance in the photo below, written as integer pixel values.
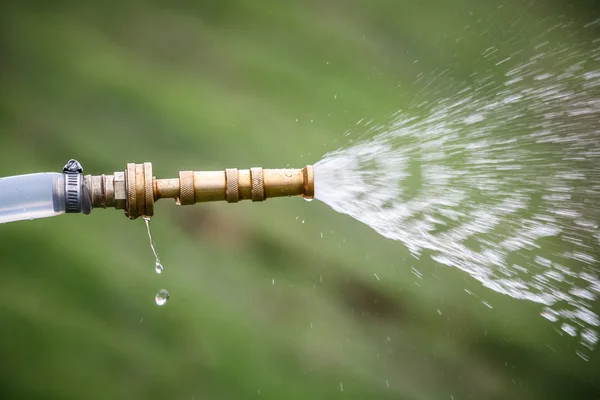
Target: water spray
(501, 180)
(136, 189)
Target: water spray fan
(136, 189)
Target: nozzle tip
(309, 182)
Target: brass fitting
(135, 190)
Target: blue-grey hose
(32, 196)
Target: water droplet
(158, 267)
(161, 297)
(570, 329)
(583, 356)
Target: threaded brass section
(102, 189)
(108, 186)
(96, 189)
(258, 186)
(233, 191)
(131, 209)
(186, 188)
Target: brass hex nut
(120, 190)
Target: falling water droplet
(158, 266)
(161, 297)
(583, 356)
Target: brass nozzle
(135, 190)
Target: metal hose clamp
(77, 197)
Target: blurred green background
(279, 300)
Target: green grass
(210, 85)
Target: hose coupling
(135, 190)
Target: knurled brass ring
(148, 190)
(140, 189)
(186, 188)
(131, 191)
(232, 192)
